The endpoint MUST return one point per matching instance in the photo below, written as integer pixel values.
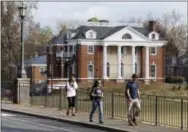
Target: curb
(95, 126)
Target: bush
(174, 79)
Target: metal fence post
(60, 99)
(76, 107)
(45, 99)
(31, 101)
(112, 103)
(156, 108)
(182, 114)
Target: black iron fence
(157, 110)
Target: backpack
(90, 94)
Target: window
(168, 70)
(73, 49)
(153, 70)
(42, 69)
(181, 70)
(122, 71)
(153, 51)
(74, 68)
(126, 36)
(90, 35)
(174, 61)
(136, 50)
(153, 36)
(136, 67)
(90, 71)
(108, 69)
(123, 50)
(90, 49)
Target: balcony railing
(65, 54)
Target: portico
(133, 46)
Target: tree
(171, 28)
(69, 24)
(37, 39)
(10, 36)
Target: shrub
(174, 79)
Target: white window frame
(74, 49)
(90, 35)
(88, 70)
(152, 36)
(151, 51)
(155, 70)
(74, 68)
(88, 52)
(42, 69)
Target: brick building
(36, 69)
(103, 50)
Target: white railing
(65, 54)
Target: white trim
(90, 64)
(91, 53)
(124, 43)
(38, 65)
(73, 49)
(155, 51)
(138, 33)
(153, 64)
(73, 68)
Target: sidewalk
(112, 125)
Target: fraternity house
(103, 50)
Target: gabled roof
(37, 60)
(104, 32)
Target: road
(21, 123)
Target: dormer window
(91, 35)
(153, 36)
(126, 36)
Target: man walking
(133, 97)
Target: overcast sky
(49, 13)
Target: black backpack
(90, 94)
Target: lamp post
(22, 72)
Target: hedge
(174, 79)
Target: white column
(119, 62)
(147, 63)
(133, 59)
(104, 61)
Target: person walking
(96, 97)
(133, 97)
(71, 88)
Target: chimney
(152, 25)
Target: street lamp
(22, 72)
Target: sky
(51, 13)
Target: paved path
(82, 118)
(21, 123)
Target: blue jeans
(95, 104)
